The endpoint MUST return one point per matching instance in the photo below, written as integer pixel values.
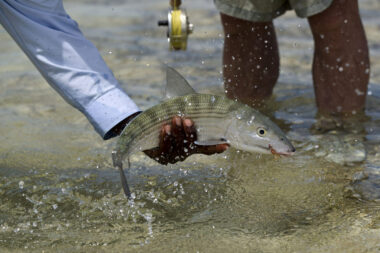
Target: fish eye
(261, 131)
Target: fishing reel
(178, 25)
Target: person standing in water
(341, 59)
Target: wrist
(118, 129)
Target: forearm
(67, 60)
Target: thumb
(211, 149)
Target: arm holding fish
(69, 62)
(72, 65)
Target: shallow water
(59, 191)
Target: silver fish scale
(142, 132)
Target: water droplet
(340, 69)
(21, 184)
(55, 206)
(212, 99)
(359, 92)
(249, 122)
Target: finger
(190, 130)
(166, 139)
(212, 149)
(178, 133)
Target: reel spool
(179, 28)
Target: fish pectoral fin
(176, 85)
(211, 142)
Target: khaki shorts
(266, 10)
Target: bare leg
(341, 61)
(250, 59)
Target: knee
(236, 27)
(339, 13)
(232, 26)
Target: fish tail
(124, 183)
(118, 164)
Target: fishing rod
(178, 25)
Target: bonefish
(217, 120)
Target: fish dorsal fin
(176, 85)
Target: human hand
(177, 143)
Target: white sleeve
(67, 60)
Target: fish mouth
(275, 152)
